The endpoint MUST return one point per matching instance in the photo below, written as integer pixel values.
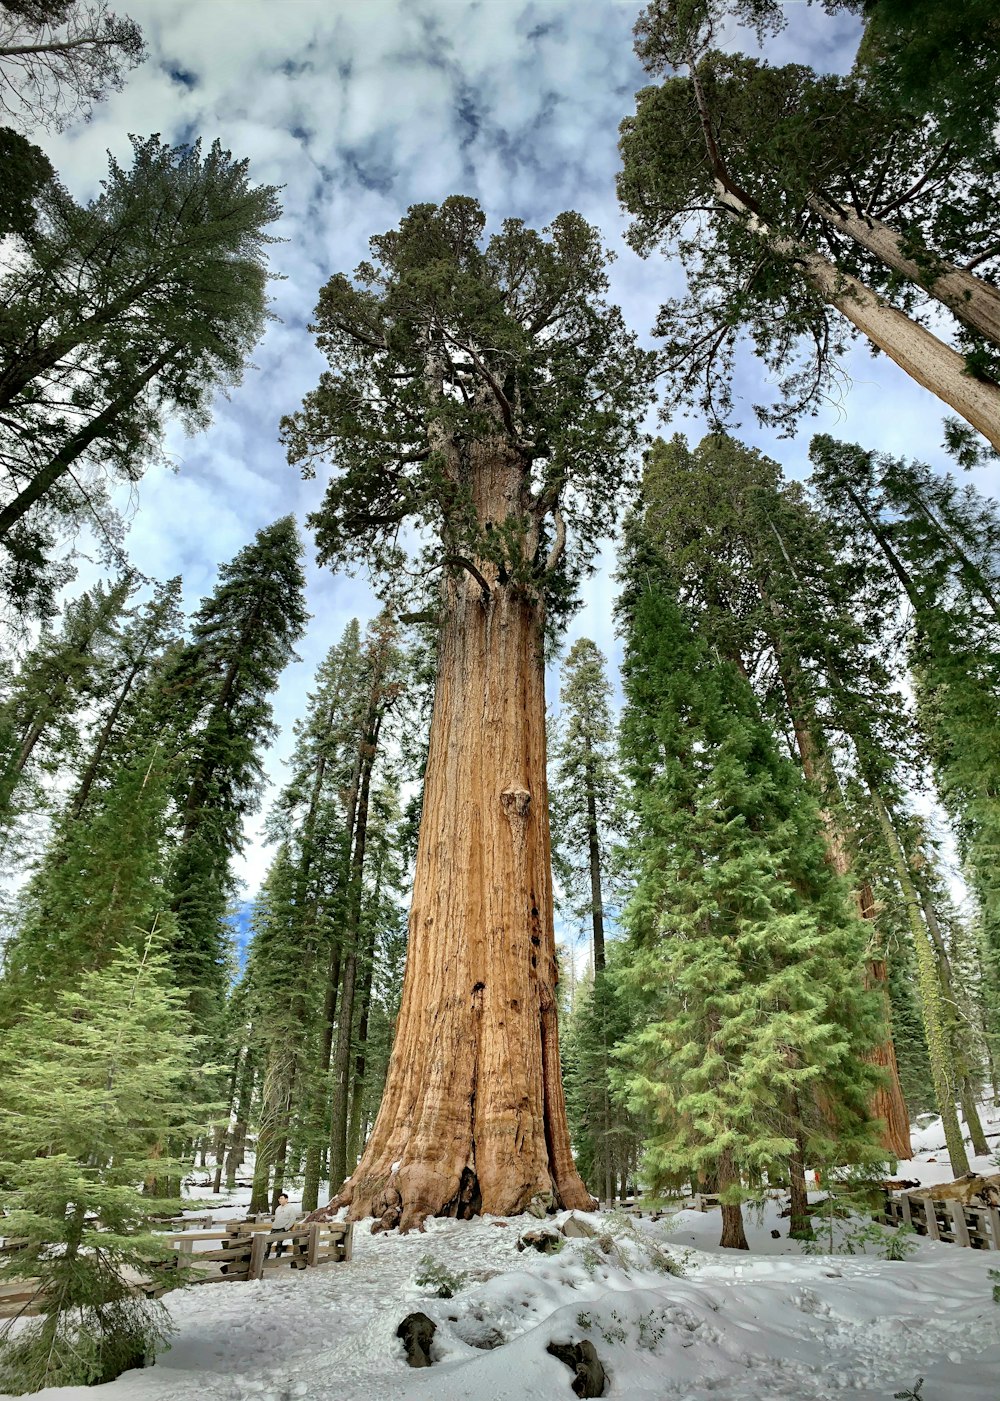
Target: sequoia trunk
(968, 297)
(473, 1116)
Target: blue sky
(360, 108)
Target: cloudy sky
(360, 108)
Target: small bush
(441, 1281)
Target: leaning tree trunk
(473, 1115)
(969, 298)
(915, 350)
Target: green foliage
(912, 1393)
(743, 952)
(583, 784)
(995, 1277)
(746, 172)
(242, 638)
(437, 1278)
(921, 58)
(63, 672)
(93, 1078)
(449, 355)
(147, 301)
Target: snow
(768, 1325)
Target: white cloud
(358, 110)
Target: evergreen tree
(100, 884)
(484, 391)
(938, 547)
(91, 1079)
(582, 808)
(817, 217)
(39, 716)
(144, 302)
(242, 638)
(743, 948)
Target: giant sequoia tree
(485, 393)
(805, 212)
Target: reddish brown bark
(473, 1115)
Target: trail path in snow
(772, 1325)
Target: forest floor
(773, 1324)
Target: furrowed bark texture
(473, 1116)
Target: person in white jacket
(282, 1222)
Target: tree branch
(472, 569)
(558, 544)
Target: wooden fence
(237, 1251)
(956, 1223)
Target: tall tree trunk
(473, 1115)
(316, 1109)
(597, 926)
(938, 1042)
(915, 350)
(238, 1133)
(970, 300)
(340, 1097)
(354, 1140)
(99, 426)
(733, 1235)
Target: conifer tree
(938, 547)
(38, 719)
(91, 1078)
(242, 638)
(144, 302)
(805, 213)
(100, 884)
(743, 946)
(582, 808)
(776, 598)
(485, 392)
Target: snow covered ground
(765, 1326)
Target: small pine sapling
(77, 1128)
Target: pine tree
(743, 948)
(91, 1079)
(582, 808)
(39, 716)
(242, 638)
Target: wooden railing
(956, 1223)
(235, 1252)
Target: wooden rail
(955, 1223)
(239, 1251)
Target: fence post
(312, 1246)
(961, 1225)
(347, 1244)
(994, 1215)
(258, 1254)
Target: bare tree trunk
(473, 1115)
(800, 1227)
(915, 350)
(238, 1134)
(967, 297)
(341, 1066)
(733, 1235)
